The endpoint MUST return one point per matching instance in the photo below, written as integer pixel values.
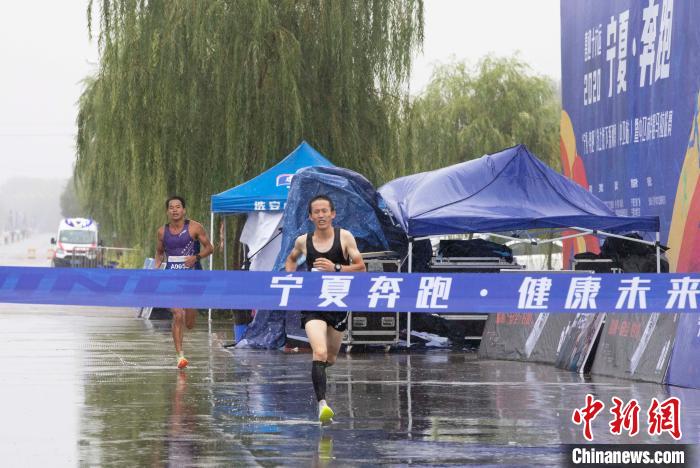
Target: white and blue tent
(267, 191)
(263, 199)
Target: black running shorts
(337, 320)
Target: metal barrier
(100, 257)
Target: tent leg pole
(211, 232)
(658, 252)
(211, 260)
(408, 317)
(225, 249)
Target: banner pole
(658, 252)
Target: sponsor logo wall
(629, 134)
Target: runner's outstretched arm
(290, 264)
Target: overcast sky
(45, 53)
(469, 29)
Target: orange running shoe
(182, 363)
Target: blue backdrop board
(629, 125)
(685, 365)
(630, 100)
(268, 191)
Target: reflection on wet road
(86, 386)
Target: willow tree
(193, 97)
(467, 112)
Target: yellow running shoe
(325, 413)
(325, 448)
(182, 362)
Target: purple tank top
(179, 245)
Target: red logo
(587, 414)
(665, 417)
(661, 416)
(626, 418)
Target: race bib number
(176, 263)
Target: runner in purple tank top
(182, 243)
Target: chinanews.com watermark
(629, 419)
(602, 455)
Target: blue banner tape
(417, 292)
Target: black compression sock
(318, 377)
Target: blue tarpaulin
(504, 191)
(268, 191)
(357, 206)
(358, 209)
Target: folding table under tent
(506, 191)
(263, 198)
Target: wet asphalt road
(98, 387)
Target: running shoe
(325, 414)
(182, 363)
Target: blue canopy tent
(504, 191)
(266, 192)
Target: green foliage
(465, 113)
(193, 97)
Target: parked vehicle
(77, 243)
